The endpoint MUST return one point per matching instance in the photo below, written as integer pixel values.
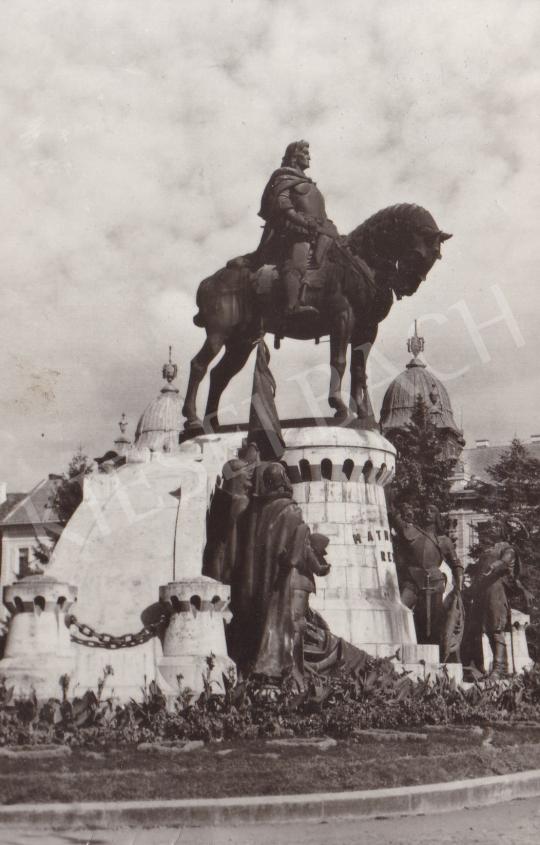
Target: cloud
(137, 141)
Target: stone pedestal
(136, 529)
(38, 647)
(198, 609)
(339, 476)
(143, 526)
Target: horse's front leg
(360, 401)
(199, 366)
(236, 354)
(339, 340)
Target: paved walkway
(515, 823)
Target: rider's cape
(281, 180)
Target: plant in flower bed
(340, 706)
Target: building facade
(26, 520)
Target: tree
(514, 493)
(69, 492)
(65, 501)
(423, 473)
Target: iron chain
(96, 640)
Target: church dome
(160, 424)
(416, 380)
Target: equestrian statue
(305, 281)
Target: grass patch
(261, 768)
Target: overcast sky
(137, 138)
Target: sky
(137, 139)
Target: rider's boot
(298, 660)
(499, 660)
(292, 288)
(321, 248)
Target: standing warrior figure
(420, 552)
(297, 231)
(495, 579)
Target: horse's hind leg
(339, 340)
(236, 354)
(199, 365)
(360, 401)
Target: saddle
(268, 289)
(265, 283)
(266, 280)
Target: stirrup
(300, 309)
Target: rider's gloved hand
(302, 223)
(312, 226)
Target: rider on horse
(297, 231)
(351, 280)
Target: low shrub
(340, 706)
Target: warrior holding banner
(420, 552)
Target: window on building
(24, 562)
(478, 528)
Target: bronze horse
(353, 290)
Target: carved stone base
(136, 529)
(339, 476)
(40, 674)
(194, 644)
(38, 647)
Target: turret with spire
(415, 381)
(415, 346)
(122, 443)
(169, 372)
(159, 426)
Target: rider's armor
(305, 198)
(297, 231)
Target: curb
(398, 801)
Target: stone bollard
(38, 647)
(198, 609)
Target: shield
(454, 625)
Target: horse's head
(401, 244)
(419, 247)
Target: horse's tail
(223, 298)
(201, 299)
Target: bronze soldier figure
(494, 579)
(297, 231)
(419, 554)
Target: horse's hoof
(193, 424)
(344, 415)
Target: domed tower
(417, 381)
(159, 426)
